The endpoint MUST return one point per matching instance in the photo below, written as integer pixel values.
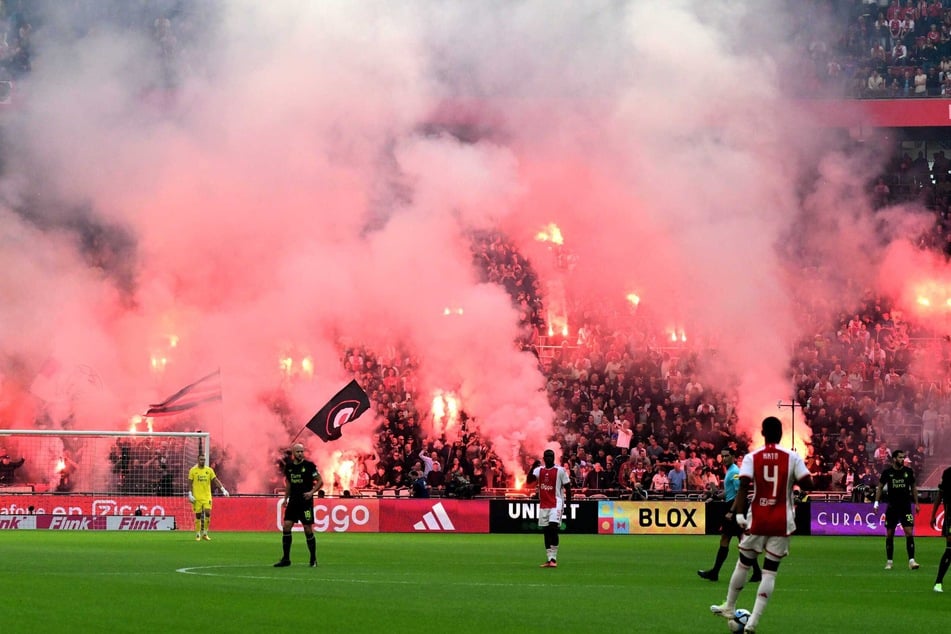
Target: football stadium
(516, 316)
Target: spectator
(875, 84)
(677, 478)
(882, 455)
(362, 480)
(929, 427)
(710, 479)
(659, 481)
(420, 487)
(477, 477)
(436, 477)
(637, 493)
(8, 469)
(921, 83)
(66, 469)
(880, 35)
(596, 479)
(381, 479)
(900, 54)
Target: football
(739, 620)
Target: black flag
(205, 390)
(345, 407)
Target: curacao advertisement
(858, 518)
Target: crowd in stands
(176, 29)
(635, 421)
(16, 45)
(144, 466)
(873, 48)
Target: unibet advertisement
(521, 516)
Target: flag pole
(221, 409)
(296, 436)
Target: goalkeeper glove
(875, 506)
(191, 497)
(224, 492)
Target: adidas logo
(435, 520)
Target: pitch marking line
(213, 571)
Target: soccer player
(899, 480)
(728, 527)
(201, 478)
(770, 473)
(302, 480)
(554, 492)
(944, 490)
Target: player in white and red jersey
(770, 473)
(554, 491)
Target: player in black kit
(944, 492)
(302, 483)
(902, 494)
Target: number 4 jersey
(772, 472)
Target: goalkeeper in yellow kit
(201, 478)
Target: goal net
(95, 462)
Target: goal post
(143, 464)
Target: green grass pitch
(166, 582)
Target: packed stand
(634, 421)
(872, 48)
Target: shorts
(774, 546)
(299, 511)
(900, 515)
(199, 506)
(550, 516)
(730, 528)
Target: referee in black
(302, 483)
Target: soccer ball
(740, 618)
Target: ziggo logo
(338, 518)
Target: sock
(198, 525)
(756, 569)
(312, 546)
(763, 593)
(721, 557)
(286, 539)
(207, 524)
(737, 581)
(551, 541)
(910, 546)
(889, 548)
(943, 566)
